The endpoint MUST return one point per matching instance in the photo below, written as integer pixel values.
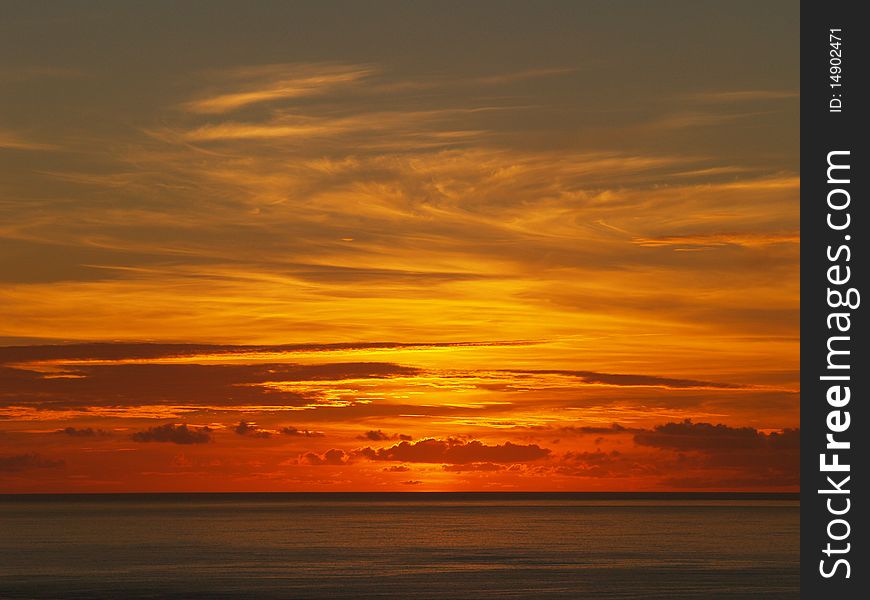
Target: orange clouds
(360, 276)
(440, 418)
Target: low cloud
(687, 435)
(83, 432)
(330, 457)
(175, 434)
(26, 462)
(456, 452)
(293, 431)
(488, 466)
(727, 456)
(379, 436)
(250, 430)
(601, 464)
(613, 429)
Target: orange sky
(398, 252)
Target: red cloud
(330, 457)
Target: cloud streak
(280, 82)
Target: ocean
(413, 545)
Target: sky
(430, 246)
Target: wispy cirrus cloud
(715, 240)
(734, 96)
(251, 85)
(14, 141)
(268, 83)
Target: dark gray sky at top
(126, 61)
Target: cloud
(374, 435)
(719, 455)
(456, 452)
(719, 240)
(279, 82)
(390, 128)
(251, 85)
(629, 380)
(379, 436)
(26, 462)
(734, 96)
(687, 435)
(600, 464)
(688, 455)
(243, 131)
(613, 429)
(330, 457)
(525, 75)
(136, 384)
(293, 431)
(412, 482)
(11, 141)
(83, 432)
(396, 469)
(487, 466)
(690, 119)
(119, 351)
(176, 434)
(250, 430)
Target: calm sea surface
(358, 546)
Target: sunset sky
(399, 246)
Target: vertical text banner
(834, 264)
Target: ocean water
(358, 546)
